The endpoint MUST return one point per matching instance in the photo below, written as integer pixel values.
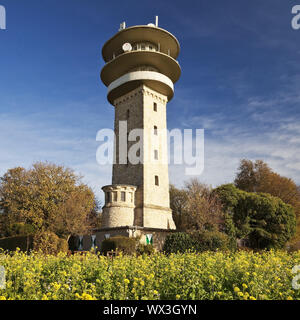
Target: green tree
(259, 177)
(265, 220)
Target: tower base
(158, 236)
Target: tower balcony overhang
(128, 61)
(132, 80)
(166, 41)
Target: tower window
(115, 196)
(123, 196)
(156, 154)
(154, 106)
(127, 114)
(155, 130)
(156, 181)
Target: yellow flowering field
(209, 275)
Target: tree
(251, 175)
(178, 204)
(259, 177)
(231, 197)
(195, 207)
(46, 197)
(266, 221)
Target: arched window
(156, 181)
(154, 106)
(155, 130)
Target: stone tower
(140, 71)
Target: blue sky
(240, 82)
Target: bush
(211, 240)
(62, 245)
(147, 249)
(124, 244)
(45, 241)
(196, 241)
(178, 242)
(49, 243)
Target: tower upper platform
(138, 55)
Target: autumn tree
(46, 197)
(195, 207)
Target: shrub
(211, 240)
(178, 242)
(124, 244)
(46, 242)
(147, 249)
(62, 245)
(49, 243)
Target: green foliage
(272, 221)
(210, 241)
(125, 244)
(229, 196)
(266, 221)
(230, 230)
(146, 249)
(259, 177)
(178, 242)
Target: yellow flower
(126, 281)
(177, 296)
(236, 289)
(212, 278)
(252, 298)
(2, 298)
(289, 298)
(244, 286)
(86, 296)
(142, 283)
